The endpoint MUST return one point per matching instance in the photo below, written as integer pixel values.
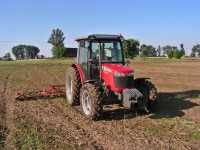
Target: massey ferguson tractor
(101, 77)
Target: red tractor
(100, 77)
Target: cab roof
(100, 37)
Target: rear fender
(138, 81)
(81, 73)
(141, 79)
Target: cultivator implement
(52, 91)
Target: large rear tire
(150, 93)
(91, 100)
(72, 84)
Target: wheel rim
(152, 95)
(86, 103)
(69, 90)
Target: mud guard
(141, 79)
(78, 68)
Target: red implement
(52, 91)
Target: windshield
(111, 51)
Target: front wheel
(149, 91)
(91, 99)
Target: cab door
(83, 58)
(94, 65)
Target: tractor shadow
(172, 105)
(117, 114)
(169, 105)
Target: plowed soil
(53, 124)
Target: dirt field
(52, 124)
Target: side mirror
(127, 62)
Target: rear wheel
(72, 84)
(149, 91)
(91, 99)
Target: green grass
(38, 61)
(72, 60)
(27, 137)
(195, 135)
(30, 135)
(29, 140)
(2, 138)
(168, 127)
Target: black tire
(149, 91)
(73, 85)
(93, 108)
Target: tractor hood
(117, 68)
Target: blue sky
(156, 22)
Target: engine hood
(117, 68)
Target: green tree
(170, 54)
(178, 54)
(168, 49)
(59, 52)
(147, 51)
(192, 54)
(57, 40)
(173, 52)
(131, 48)
(159, 50)
(18, 52)
(7, 56)
(182, 50)
(196, 50)
(31, 51)
(25, 51)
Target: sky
(157, 22)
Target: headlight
(117, 74)
(130, 74)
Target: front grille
(124, 82)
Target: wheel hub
(69, 88)
(86, 103)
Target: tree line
(132, 48)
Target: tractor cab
(96, 50)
